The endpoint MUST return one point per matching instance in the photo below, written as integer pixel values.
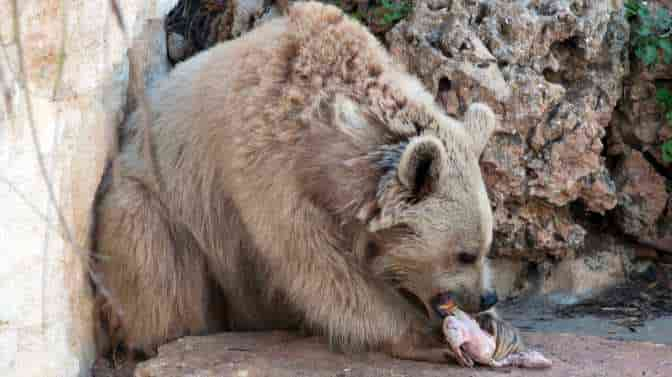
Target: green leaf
(663, 94)
(666, 46)
(660, 16)
(643, 12)
(664, 98)
(644, 31)
(668, 117)
(667, 151)
(631, 8)
(649, 55)
(662, 19)
(667, 57)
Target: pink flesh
(464, 334)
(525, 359)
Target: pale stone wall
(45, 303)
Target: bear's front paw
(439, 355)
(426, 344)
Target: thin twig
(5, 55)
(21, 77)
(114, 136)
(6, 91)
(25, 199)
(140, 95)
(65, 231)
(6, 94)
(62, 49)
(118, 15)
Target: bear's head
(436, 240)
(380, 154)
(430, 227)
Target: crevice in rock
(445, 84)
(483, 10)
(661, 169)
(434, 40)
(577, 9)
(569, 44)
(554, 77)
(439, 5)
(566, 50)
(591, 221)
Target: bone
(471, 343)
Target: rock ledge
(280, 354)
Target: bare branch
(114, 131)
(118, 15)
(21, 77)
(138, 88)
(5, 54)
(6, 95)
(61, 51)
(140, 95)
(25, 199)
(65, 231)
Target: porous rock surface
(284, 355)
(577, 150)
(553, 72)
(634, 144)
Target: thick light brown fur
(308, 180)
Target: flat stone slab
(280, 354)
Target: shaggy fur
(307, 181)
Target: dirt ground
(640, 310)
(631, 304)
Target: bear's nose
(488, 300)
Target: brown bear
(306, 180)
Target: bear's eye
(467, 258)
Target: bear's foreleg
(332, 291)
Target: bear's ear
(479, 124)
(419, 168)
(421, 165)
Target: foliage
(651, 40)
(664, 98)
(379, 15)
(652, 33)
(395, 11)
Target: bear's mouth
(414, 300)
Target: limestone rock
(552, 70)
(642, 197)
(640, 124)
(282, 355)
(76, 83)
(196, 25)
(604, 263)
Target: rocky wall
(553, 73)
(69, 96)
(577, 151)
